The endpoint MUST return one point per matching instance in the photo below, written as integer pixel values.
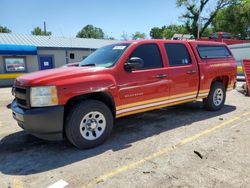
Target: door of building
(46, 62)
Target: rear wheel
(216, 98)
(89, 124)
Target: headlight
(43, 96)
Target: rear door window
(213, 51)
(178, 54)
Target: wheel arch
(104, 97)
(223, 79)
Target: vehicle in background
(182, 37)
(81, 103)
(223, 37)
(240, 52)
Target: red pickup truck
(81, 103)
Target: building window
(15, 64)
(72, 56)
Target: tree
(4, 29)
(108, 37)
(125, 36)
(234, 19)
(167, 32)
(202, 13)
(89, 31)
(156, 33)
(137, 35)
(39, 31)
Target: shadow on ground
(23, 154)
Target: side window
(150, 54)
(177, 54)
(213, 51)
(15, 64)
(226, 36)
(214, 36)
(72, 56)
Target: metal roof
(53, 42)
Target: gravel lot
(181, 146)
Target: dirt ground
(181, 146)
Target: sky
(64, 18)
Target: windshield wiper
(86, 65)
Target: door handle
(191, 72)
(161, 76)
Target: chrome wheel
(92, 125)
(218, 97)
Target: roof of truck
(174, 41)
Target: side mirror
(134, 63)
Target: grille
(22, 96)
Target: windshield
(106, 56)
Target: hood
(54, 76)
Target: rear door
(183, 71)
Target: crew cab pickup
(81, 103)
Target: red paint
(137, 86)
(246, 68)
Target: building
(20, 54)
(240, 52)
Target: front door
(146, 88)
(46, 62)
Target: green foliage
(208, 32)
(167, 32)
(89, 31)
(234, 19)
(202, 13)
(39, 31)
(4, 29)
(137, 35)
(156, 33)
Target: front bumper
(45, 123)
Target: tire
(89, 124)
(216, 98)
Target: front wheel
(216, 98)
(89, 124)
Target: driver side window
(150, 54)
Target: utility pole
(198, 24)
(44, 27)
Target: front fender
(86, 85)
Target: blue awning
(11, 49)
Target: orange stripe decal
(152, 108)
